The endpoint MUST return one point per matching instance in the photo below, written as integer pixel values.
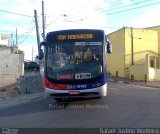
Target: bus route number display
(75, 36)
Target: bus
(75, 63)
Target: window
(157, 62)
(74, 61)
(152, 61)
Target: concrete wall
(154, 74)
(5, 50)
(115, 60)
(138, 72)
(30, 83)
(157, 28)
(11, 66)
(143, 40)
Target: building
(11, 61)
(6, 39)
(136, 54)
(156, 28)
(11, 65)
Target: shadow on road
(44, 105)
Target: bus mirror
(42, 44)
(109, 47)
(41, 54)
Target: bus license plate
(74, 92)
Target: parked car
(31, 66)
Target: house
(136, 54)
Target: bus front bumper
(86, 93)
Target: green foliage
(19, 52)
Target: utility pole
(16, 38)
(43, 21)
(37, 30)
(132, 47)
(32, 53)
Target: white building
(6, 39)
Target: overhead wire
(113, 4)
(132, 8)
(28, 35)
(15, 13)
(69, 19)
(124, 6)
(117, 5)
(30, 29)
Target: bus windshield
(74, 61)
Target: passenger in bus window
(94, 57)
(61, 61)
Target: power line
(133, 8)
(120, 4)
(29, 30)
(27, 36)
(113, 4)
(15, 13)
(47, 25)
(124, 6)
(73, 21)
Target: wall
(142, 40)
(156, 28)
(139, 71)
(115, 60)
(11, 66)
(154, 74)
(4, 50)
(30, 83)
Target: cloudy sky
(109, 15)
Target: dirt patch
(9, 91)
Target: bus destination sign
(75, 36)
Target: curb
(147, 85)
(133, 83)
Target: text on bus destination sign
(75, 36)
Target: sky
(108, 15)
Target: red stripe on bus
(52, 85)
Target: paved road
(126, 106)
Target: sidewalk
(20, 99)
(154, 84)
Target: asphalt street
(126, 106)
